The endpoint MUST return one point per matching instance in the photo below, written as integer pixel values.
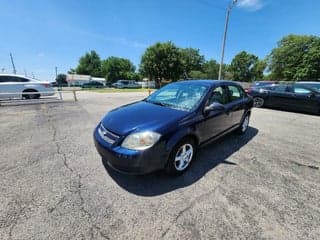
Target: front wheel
(31, 94)
(181, 157)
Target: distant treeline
(296, 57)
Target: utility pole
(56, 69)
(225, 35)
(14, 68)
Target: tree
(115, 68)
(258, 70)
(61, 79)
(198, 75)
(72, 71)
(191, 61)
(162, 61)
(245, 67)
(211, 68)
(89, 64)
(297, 57)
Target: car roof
(208, 82)
(16, 75)
(306, 82)
(12, 75)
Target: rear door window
(301, 90)
(15, 79)
(234, 93)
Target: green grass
(115, 90)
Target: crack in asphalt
(190, 206)
(195, 201)
(18, 209)
(62, 200)
(305, 165)
(87, 213)
(78, 186)
(54, 139)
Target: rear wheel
(30, 94)
(258, 102)
(181, 157)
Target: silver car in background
(16, 86)
(126, 84)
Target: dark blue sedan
(165, 130)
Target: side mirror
(214, 106)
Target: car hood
(141, 116)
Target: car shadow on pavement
(208, 158)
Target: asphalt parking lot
(53, 184)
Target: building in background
(79, 80)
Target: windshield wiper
(157, 103)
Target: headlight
(141, 140)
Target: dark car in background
(293, 97)
(165, 130)
(93, 84)
(259, 84)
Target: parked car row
(17, 86)
(118, 84)
(299, 96)
(165, 130)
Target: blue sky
(43, 34)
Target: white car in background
(16, 86)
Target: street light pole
(225, 36)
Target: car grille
(106, 135)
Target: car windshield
(185, 97)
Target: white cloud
(252, 5)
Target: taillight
(248, 90)
(46, 85)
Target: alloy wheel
(258, 102)
(183, 157)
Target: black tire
(36, 95)
(258, 102)
(244, 125)
(172, 167)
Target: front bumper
(131, 161)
